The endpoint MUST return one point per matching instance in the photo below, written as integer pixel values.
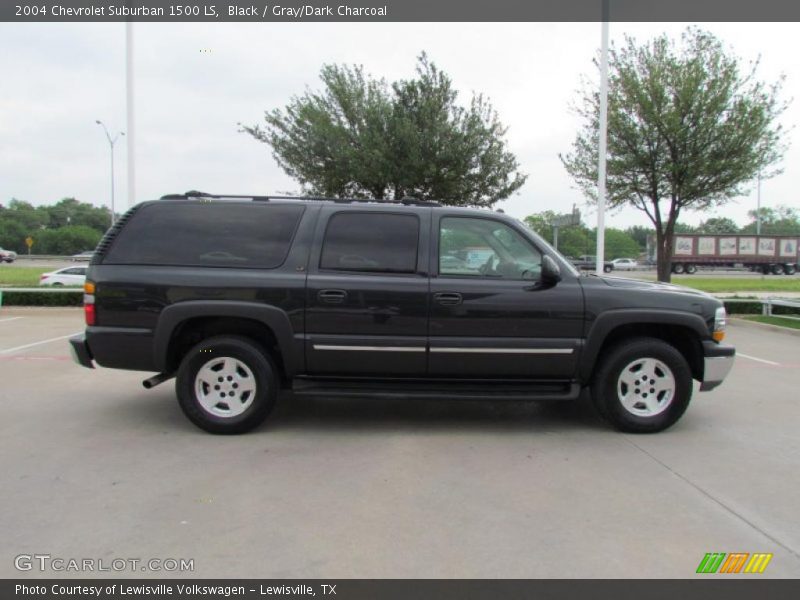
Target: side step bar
(436, 389)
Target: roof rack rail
(194, 194)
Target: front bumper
(718, 361)
(80, 351)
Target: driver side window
(474, 247)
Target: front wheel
(607, 268)
(227, 384)
(642, 386)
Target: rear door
(367, 292)
(491, 315)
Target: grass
(21, 276)
(780, 321)
(772, 283)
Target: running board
(436, 389)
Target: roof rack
(194, 194)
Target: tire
(607, 268)
(790, 269)
(690, 269)
(777, 269)
(617, 400)
(58, 284)
(677, 268)
(239, 366)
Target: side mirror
(551, 272)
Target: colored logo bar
(734, 562)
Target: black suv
(242, 297)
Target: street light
(111, 142)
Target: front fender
(609, 320)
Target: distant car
(624, 264)
(8, 256)
(588, 262)
(86, 255)
(67, 276)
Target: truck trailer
(768, 254)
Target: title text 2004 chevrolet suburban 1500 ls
(242, 297)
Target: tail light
(88, 303)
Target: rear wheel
(227, 384)
(691, 269)
(642, 386)
(677, 268)
(777, 269)
(790, 269)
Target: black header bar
(397, 10)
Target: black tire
(677, 268)
(690, 269)
(790, 269)
(606, 384)
(777, 269)
(264, 378)
(607, 268)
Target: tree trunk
(664, 256)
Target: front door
(491, 316)
(367, 293)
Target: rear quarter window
(207, 234)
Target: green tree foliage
(67, 240)
(67, 227)
(640, 234)
(687, 129)
(718, 225)
(361, 137)
(618, 244)
(781, 220)
(578, 240)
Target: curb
(763, 326)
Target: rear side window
(372, 242)
(207, 234)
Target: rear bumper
(80, 351)
(718, 361)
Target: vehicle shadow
(383, 414)
(160, 411)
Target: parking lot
(94, 466)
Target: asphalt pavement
(94, 466)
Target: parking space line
(761, 360)
(10, 319)
(31, 345)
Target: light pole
(603, 133)
(758, 206)
(111, 142)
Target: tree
(572, 241)
(67, 240)
(362, 137)
(640, 234)
(686, 131)
(718, 225)
(618, 244)
(781, 220)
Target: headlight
(720, 321)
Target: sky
(195, 82)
